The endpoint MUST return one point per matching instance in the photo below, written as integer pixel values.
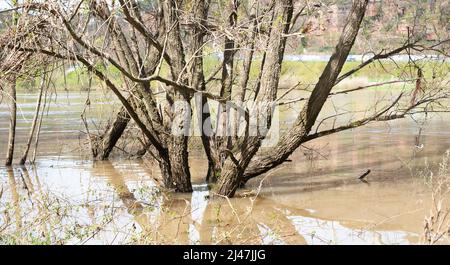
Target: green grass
(294, 71)
(310, 71)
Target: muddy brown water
(315, 199)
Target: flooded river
(65, 198)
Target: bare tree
(19, 65)
(12, 120)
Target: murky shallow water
(316, 199)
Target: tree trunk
(180, 173)
(180, 109)
(223, 137)
(229, 180)
(110, 138)
(231, 175)
(34, 123)
(38, 130)
(12, 121)
(174, 166)
(166, 174)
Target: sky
(7, 3)
(3, 4)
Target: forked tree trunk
(12, 121)
(290, 141)
(233, 168)
(295, 136)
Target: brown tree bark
(179, 104)
(12, 120)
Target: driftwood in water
(364, 175)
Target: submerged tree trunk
(109, 139)
(12, 121)
(180, 174)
